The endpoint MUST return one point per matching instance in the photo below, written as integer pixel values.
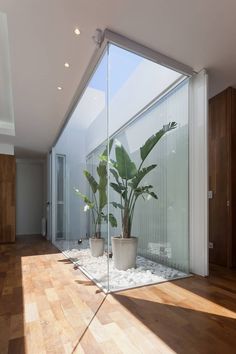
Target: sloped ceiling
(198, 33)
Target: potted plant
(97, 204)
(128, 185)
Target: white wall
(30, 196)
(7, 125)
(198, 176)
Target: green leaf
(152, 194)
(115, 174)
(153, 140)
(125, 167)
(117, 187)
(112, 220)
(140, 175)
(102, 186)
(86, 200)
(143, 188)
(102, 173)
(125, 194)
(102, 199)
(113, 163)
(93, 184)
(140, 191)
(103, 156)
(117, 205)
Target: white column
(198, 174)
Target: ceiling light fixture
(59, 88)
(67, 65)
(77, 31)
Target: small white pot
(124, 252)
(96, 246)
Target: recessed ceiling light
(59, 88)
(77, 31)
(67, 65)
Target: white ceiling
(198, 33)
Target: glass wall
(80, 193)
(121, 186)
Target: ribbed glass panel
(162, 225)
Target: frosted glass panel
(148, 104)
(162, 225)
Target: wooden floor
(48, 307)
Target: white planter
(124, 252)
(96, 246)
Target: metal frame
(140, 113)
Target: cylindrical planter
(124, 252)
(96, 246)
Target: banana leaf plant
(98, 202)
(128, 178)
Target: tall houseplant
(97, 203)
(128, 178)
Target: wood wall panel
(233, 179)
(218, 180)
(7, 198)
(222, 177)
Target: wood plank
(219, 176)
(50, 311)
(7, 198)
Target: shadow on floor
(184, 330)
(219, 287)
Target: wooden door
(7, 198)
(219, 178)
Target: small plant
(128, 178)
(98, 201)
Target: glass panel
(60, 178)
(60, 198)
(149, 186)
(133, 230)
(82, 187)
